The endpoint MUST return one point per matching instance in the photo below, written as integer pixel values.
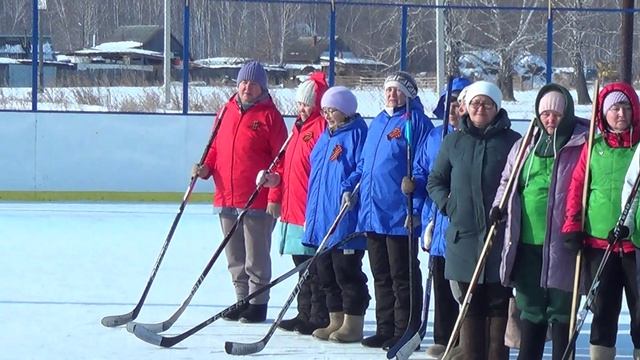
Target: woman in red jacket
(250, 136)
(289, 188)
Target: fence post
(332, 44)
(34, 57)
(403, 39)
(549, 44)
(185, 60)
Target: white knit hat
(484, 88)
(306, 93)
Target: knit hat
(553, 100)
(404, 82)
(306, 93)
(484, 88)
(611, 99)
(253, 71)
(341, 98)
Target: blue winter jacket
(383, 207)
(426, 158)
(333, 163)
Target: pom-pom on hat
(253, 71)
(611, 99)
(484, 88)
(553, 100)
(341, 98)
(404, 82)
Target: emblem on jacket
(335, 154)
(307, 136)
(255, 125)
(394, 134)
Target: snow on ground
(65, 266)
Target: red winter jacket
(573, 217)
(247, 142)
(295, 169)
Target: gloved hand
(428, 236)
(349, 200)
(408, 186)
(416, 221)
(202, 171)
(267, 179)
(573, 240)
(273, 209)
(623, 233)
(496, 215)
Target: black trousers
(389, 260)
(311, 299)
(343, 282)
(618, 275)
(446, 307)
(488, 300)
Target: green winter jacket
(463, 184)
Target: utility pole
(167, 54)
(626, 42)
(42, 5)
(440, 45)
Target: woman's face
(550, 120)
(304, 111)
(619, 116)
(393, 97)
(481, 111)
(334, 117)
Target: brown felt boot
(598, 352)
(350, 331)
(335, 322)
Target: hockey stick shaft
(165, 325)
(236, 348)
(117, 320)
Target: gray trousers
(248, 252)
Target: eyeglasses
(475, 105)
(328, 111)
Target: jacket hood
(548, 145)
(457, 85)
(499, 123)
(629, 137)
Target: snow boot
(389, 343)
(255, 313)
(598, 352)
(291, 324)
(350, 331)
(497, 327)
(308, 327)
(376, 341)
(234, 315)
(335, 322)
(532, 339)
(559, 339)
(435, 351)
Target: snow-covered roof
(8, 61)
(354, 61)
(302, 66)
(210, 62)
(119, 47)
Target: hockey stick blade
(403, 352)
(236, 348)
(145, 334)
(117, 320)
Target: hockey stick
(153, 338)
(488, 242)
(237, 348)
(165, 325)
(117, 320)
(411, 339)
(593, 290)
(575, 297)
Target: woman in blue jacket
(383, 208)
(333, 163)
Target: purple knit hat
(253, 71)
(611, 99)
(341, 98)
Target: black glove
(573, 240)
(496, 215)
(622, 233)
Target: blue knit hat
(253, 71)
